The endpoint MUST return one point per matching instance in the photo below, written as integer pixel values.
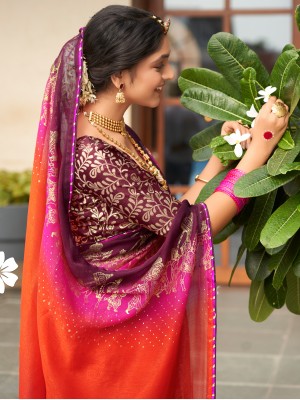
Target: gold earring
(120, 98)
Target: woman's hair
(117, 38)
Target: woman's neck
(106, 105)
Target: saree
(118, 291)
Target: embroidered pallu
(118, 291)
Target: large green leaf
(297, 16)
(259, 307)
(296, 264)
(257, 265)
(292, 187)
(293, 293)
(225, 232)
(286, 142)
(239, 256)
(282, 157)
(209, 188)
(275, 297)
(200, 142)
(281, 74)
(232, 56)
(291, 88)
(295, 166)
(262, 210)
(259, 182)
(248, 87)
(283, 261)
(205, 78)
(282, 224)
(214, 104)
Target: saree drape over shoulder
(118, 294)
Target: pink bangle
(227, 184)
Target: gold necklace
(146, 163)
(109, 124)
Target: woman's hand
(231, 127)
(268, 121)
(266, 133)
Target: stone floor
(253, 360)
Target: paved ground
(253, 360)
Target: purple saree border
(212, 281)
(79, 55)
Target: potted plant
(271, 220)
(14, 196)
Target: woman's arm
(220, 206)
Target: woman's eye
(159, 67)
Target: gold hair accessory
(107, 123)
(120, 98)
(88, 93)
(279, 109)
(197, 179)
(143, 160)
(164, 24)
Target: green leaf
(282, 75)
(200, 142)
(275, 250)
(239, 256)
(262, 210)
(288, 47)
(259, 182)
(282, 224)
(225, 232)
(259, 307)
(257, 265)
(232, 56)
(209, 188)
(286, 142)
(296, 265)
(214, 104)
(248, 87)
(292, 187)
(225, 153)
(291, 88)
(276, 298)
(282, 157)
(295, 166)
(297, 16)
(283, 261)
(205, 78)
(293, 293)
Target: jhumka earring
(120, 98)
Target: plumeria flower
(235, 139)
(6, 275)
(252, 113)
(265, 94)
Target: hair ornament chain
(164, 24)
(88, 93)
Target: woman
(118, 296)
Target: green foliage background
(271, 220)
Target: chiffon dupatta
(146, 330)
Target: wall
(32, 34)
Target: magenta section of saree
(118, 297)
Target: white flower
(235, 139)
(252, 113)
(6, 275)
(265, 94)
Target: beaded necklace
(143, 161)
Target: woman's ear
(116, 79)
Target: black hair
(115, 39)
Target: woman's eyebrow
(163, 56)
